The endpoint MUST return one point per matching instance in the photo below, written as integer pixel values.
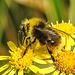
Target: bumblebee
(37, 28)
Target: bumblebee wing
(63, 32)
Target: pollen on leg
(65, 62)
(18, 61)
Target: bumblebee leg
(50, 52)
(29, 46)
(27, 40)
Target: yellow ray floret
(47, 70)
(20, 72)
(11, 45)
(4, 67)
(34, 68)
(70, 74)
(19, 61)
(66, 27)
(4, 57)
(12, 72)
(56, 72)
(7, 71)
(43, 61)
(39, 73)
(62, 73)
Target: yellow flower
(68, 41)
(66, 27)
(64, 64)
(39, 73)
(18, 61)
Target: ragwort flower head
(67, 33)
(64, 64)
(17, 61)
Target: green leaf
(72, 12)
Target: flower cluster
(20, 63)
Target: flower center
(19, 61)
(65, 62)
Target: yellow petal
(11, 45)
(4, 57)
(39, 73)
(12, 72)
(42, 56)
(74, 50)
(7, 71)
(73, 36)
(34, 68)
(4, 67)
(68, 44)
(63, 40)
(42, 61)
(56, 72)
(71, 41)
(62, 73)
(70, 74)
(47, 70)
(20, 72)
